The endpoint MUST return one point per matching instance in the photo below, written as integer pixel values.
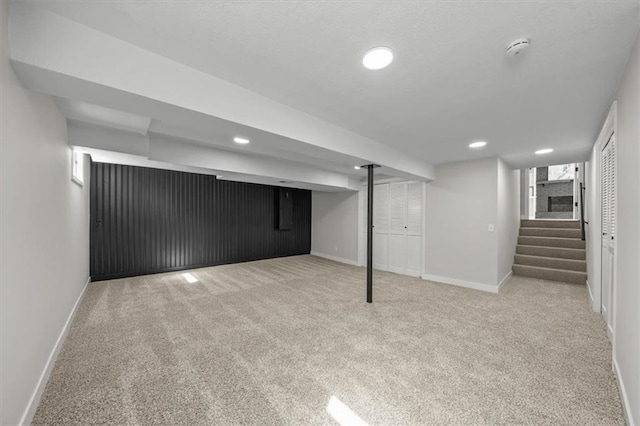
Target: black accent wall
(147, 220)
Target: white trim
(461, 283)
(624, 397)
(609, 127)
(395, 270)
(335, 258)
(32, 405)
(504, 280)
(593, 306)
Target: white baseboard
(461, 283)
(590, 294)
(594, 305)
(624, 397)
(504, 280)
(335, 258)
(32, 405)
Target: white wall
(626, 297)
(508, 225)
(461, 203)
(627, 291)
(334, 225)
(44, 263)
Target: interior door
(381, 226)
(398, 227)
(414, 229)
(608, 191)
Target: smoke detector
(517, 47)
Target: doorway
(552, 192)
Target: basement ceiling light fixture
(241, 141)
(356, 167)
(544, 151)
(478, 144)
(377, 58)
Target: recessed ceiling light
(241, 141)
(356, 167)
(478, 144)
(544, 151)
(377, 58)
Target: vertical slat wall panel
(149, 220)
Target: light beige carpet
(271, 342)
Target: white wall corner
(461, 283)
(34, 401)
(335, 258)
(594, 305)
(504, 280)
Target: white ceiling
(450, 82)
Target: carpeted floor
(271, 342)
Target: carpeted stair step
(541, 223)
(550, 274)
(557, 252)
(552, 242)
(551, 262)
(551, 232)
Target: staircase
(551, 250)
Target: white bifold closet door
(381, 227)
(608, 190)
(397, 216)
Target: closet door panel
(398, 207)
(381, 208)
(414, 255)
(381, 251)
(397, 253)
(414, 208)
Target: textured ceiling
(450, 82)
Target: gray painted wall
(334, 224)
(626, 299)
(461, 204)
(627, 294)
(45, 236)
